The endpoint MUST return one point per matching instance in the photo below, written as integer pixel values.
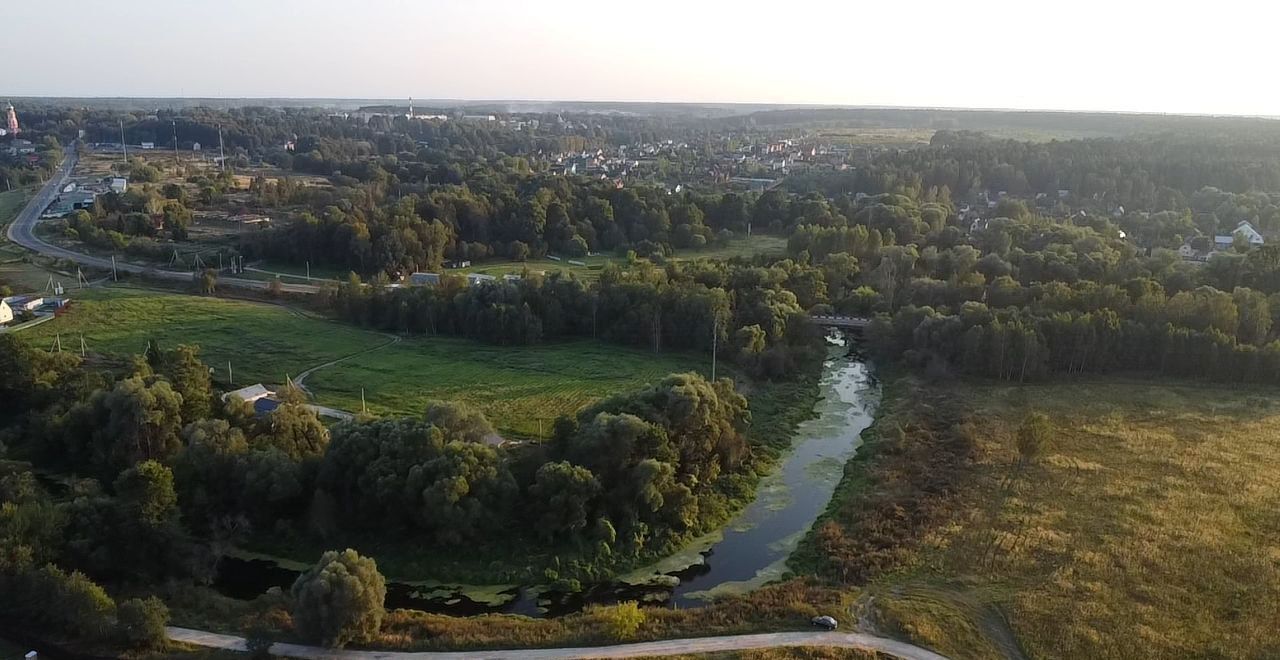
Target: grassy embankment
(1147, 528)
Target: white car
(824, 622)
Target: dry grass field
(1149, 528)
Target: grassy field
(263, 342)
(498, 268)
(738, 247)
(16, 270)
(1149, 528)
(11, 202)
(515, 386)
(588, 270)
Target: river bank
(746, 553)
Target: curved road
(22, 232)
(640, 649)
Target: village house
(424, 279)
(6, 313)
(1245, 230)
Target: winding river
(750, 551)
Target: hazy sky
(1169, 56)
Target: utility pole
(363, 408)
(222, 154)
(124, 148)
(229, 381)
(114, 277)
(82, 346)
(175, 143)
(308, 271)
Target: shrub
(623, 619)
(340, 599)
(140, 623)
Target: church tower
(11, 117)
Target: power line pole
(175, 143)
(222, 154)
(82, 346)
(114, 277)
(229, 381)
(124, 148)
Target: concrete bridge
(847, 322)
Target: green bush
(340, 599)
(140, 622)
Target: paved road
(666, 647)
(22, 232)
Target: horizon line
(773, 104)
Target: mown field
(263, 342)
(521, 389)
(1149, 527)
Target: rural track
(640, 649)
(300, 381)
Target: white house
(474, 279)
(6, 313)
(249, 394)
(1244, 230)
(119, 185)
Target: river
(750, 551)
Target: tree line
(161, 477)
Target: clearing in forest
(521, 389)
